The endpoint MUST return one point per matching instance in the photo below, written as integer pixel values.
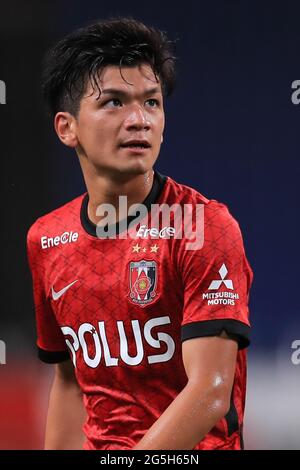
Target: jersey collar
(155, 192)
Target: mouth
(136, 145)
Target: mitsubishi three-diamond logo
(228, 282)
(223, 297)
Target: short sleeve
(216, 280)
(50, 340)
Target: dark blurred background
(232, 132)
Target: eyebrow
(119, 92)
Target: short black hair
(84, 53)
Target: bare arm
(210, 366)
(66, 413)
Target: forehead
(138, 78)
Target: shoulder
(56, 221)
(216, 214)
(183, 194)
(218, 218)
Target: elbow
(218, 402)
(221, 406)
(214, 398)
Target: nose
(137, 119)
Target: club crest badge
(143, 282)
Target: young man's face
(121, 132)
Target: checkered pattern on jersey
(129, 371)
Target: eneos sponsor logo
(66, 237)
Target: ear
(65, 127)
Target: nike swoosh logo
(57, 295)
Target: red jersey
(121, 307)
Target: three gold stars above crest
(138, 249)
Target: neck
(105, 190)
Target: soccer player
(147, 324)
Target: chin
(138, 168)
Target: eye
(153, 103)
(113, 103)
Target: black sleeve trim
(232, 418)
(53, 357)
(235, 329)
